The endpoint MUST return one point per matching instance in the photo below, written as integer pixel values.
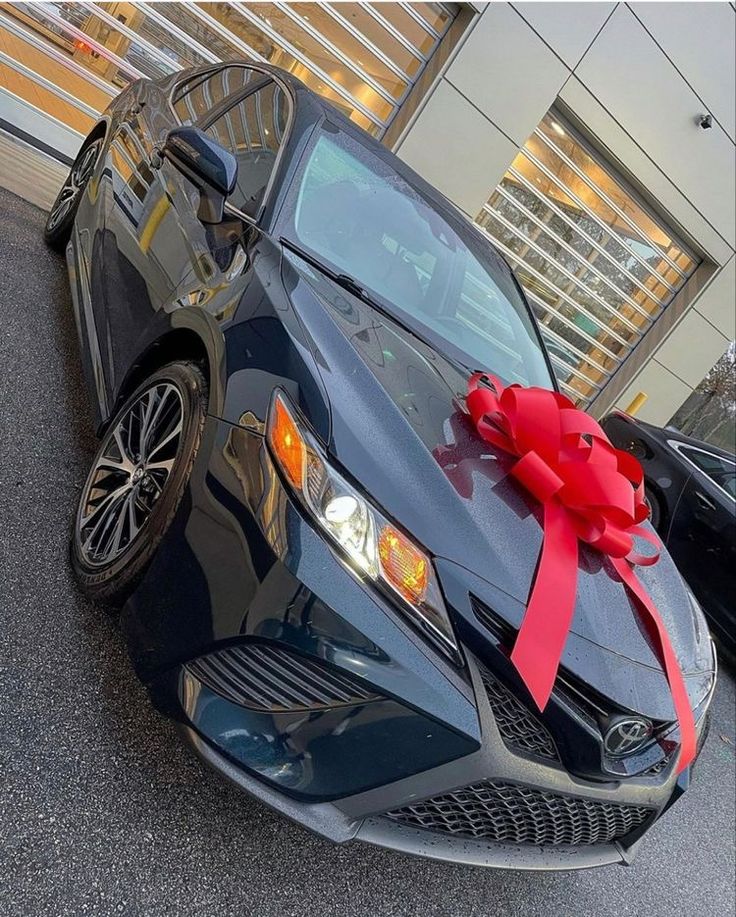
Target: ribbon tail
(683, 710)
(541, 638)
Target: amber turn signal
(403, 565)
(286, 443)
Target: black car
(691, 490)
(322, 567)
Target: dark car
(691, 490)
(322, 567)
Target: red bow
(590, 491)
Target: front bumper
(331, 822)
(341, 821)
(245, 568)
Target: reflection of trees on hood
(709, 413)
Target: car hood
(398, 427)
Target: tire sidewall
(58, 236)
(655, 507)
(122, 574)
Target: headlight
(373, 547)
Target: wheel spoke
(155, 419)
(124, 486)
(104, 505)
(107, 462)
(126, 457)
(107, 535)
(103, 524)
(74, 184)
(164, 442)
(132, 522)
(63, 205)
(146, 420)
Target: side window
(718, 469)
(198, 96)
(252, 130)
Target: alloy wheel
(129, 474)
(74, 185)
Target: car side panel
(149, 218)
(664, 473)
(702, 541)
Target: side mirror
(208, 165)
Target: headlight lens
(374, 548)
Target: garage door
(68, 60)
(597, 265)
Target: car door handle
(704, 501)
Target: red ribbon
(591, 492)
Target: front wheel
(64, 209)
(137, 480)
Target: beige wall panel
(507, 71)
(665, 393)
(691, 348)
(700, 40)
(642, 90)
(568, 28)
(718, 303)
(455, 148)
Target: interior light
(557, 128)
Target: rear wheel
(137, 481)
(655, 509)
(64, 209)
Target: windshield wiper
(353, 286)
(344, 280)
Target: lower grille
(272, 678)
(657, 768)
(514, 814)
(518, 727)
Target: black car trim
(681, 449)
(268, 77)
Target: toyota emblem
(627, 736)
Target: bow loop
(590, 492)
(539, 478)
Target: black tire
(112, 580)
(655, 508)
(63, 211)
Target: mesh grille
(518, 727)
(514, 814)
(273, 679)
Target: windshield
(356, 215)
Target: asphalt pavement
(103, 812)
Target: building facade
(593, 143)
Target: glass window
(198, 96)
(252, 130)
(597, 265)
(727, 481)
(716, 468)
(706, 461)
(359, 217)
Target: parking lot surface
(103, 812)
